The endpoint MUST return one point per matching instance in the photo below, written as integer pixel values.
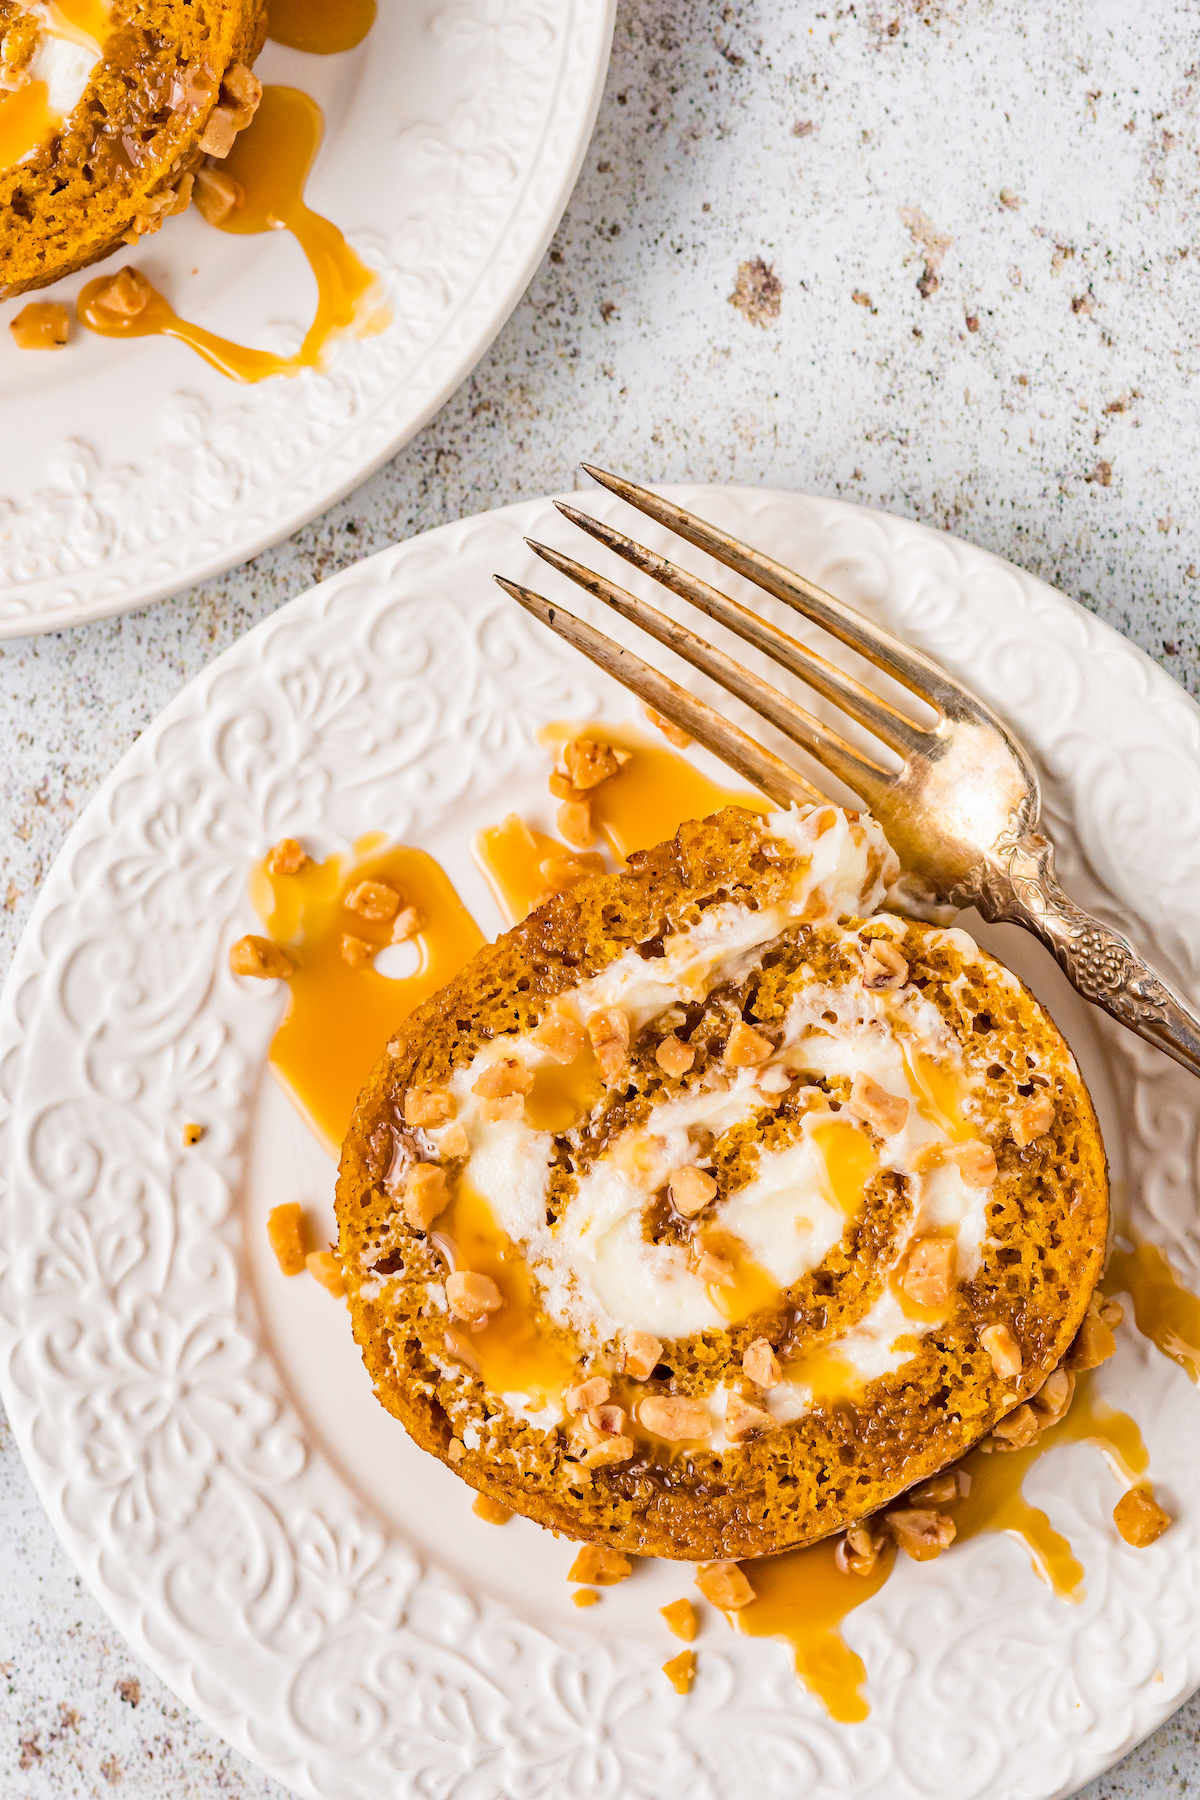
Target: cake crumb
(259, 957)
(285, 1230)
(681, 1619)
(286, 857)
(759, 292)
(597, 1564)
(325, 1268)
(681, 1670)
(725, 1585)
(584, 1597)
(43, 325)
(492, 1512)
(1139, 1518)
(192, 1135)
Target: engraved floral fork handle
(962, 809)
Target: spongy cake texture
(134, 135)
(831, 1455)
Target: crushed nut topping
(1017, 1430)
(358, 952)
(976, 1162)
(287, 1238)
(681, 1670)
(1139, 1518)
(920, 1532)
(1094, 1342)
(691, 1190)
(425, 1104)
(745, 1047)
(725, 1584)
(492, 1512)
(674, 1417)
(1032, 1120)
(858, 1551)
(286, 857)
(407, 924)
(457, 1450)
(192, 1135)
(1053, 1399)
(215, 195)
(681, 1619)
(259, 957)
(600, 1566)
(714, 1271)
(875, 1106)
(745, 1420)
(609, 1034)
(325, 1268)
(242, 89)
(674, 1057)
(42, 325)
(617, 1449)
(574, 821)
(123, 296)
(641, 1354)
(377, 901)
(559, 1036)
(589, 762)
(674, 734)
(1003, 1349)
(939, 1490)
(928, 1277)
(426, 1194)
(220, 132)
(761, 1364)
(593, 1392)
(883, 966)
(454, 1143)
(927, 1156)
(502, 1087)
(472, 1297)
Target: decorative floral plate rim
(135, 471)
(229, 1545)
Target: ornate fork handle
(1020, 886)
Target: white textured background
(977, 306)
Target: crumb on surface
(584, 1597)
(492, 1512)
(192, 1135)
(288, 1239)
(681, 1619)
(681, 1670)
(759, 292)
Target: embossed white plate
(453, 136)
(201, 1429)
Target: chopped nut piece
(357, 951)
(259, 957)
(1111, 1311)
(244, 89)
(920, 1532)
(192, 1135)
(458, 1347)
(1053, 1399)
(563, 872)
(883, 966)
(725, 1585)
(674, 734)
(940, 1490)
(584, 1597)
(124, 295)
(593, 1392)
(377, 901)
(425, 1104)
(642, 1352)
(691, 1190)
(681, 1619)
(1033, 1119)
(220, 131)
(873, 1104)
(285, 1231)
(454, 1143)
(426, 1194)
(1003, 1349)
(559, 1036)
(609, 1033)
(562, 789)
(745, 1420)
(42, 325)
(929, 1276)
(745, 1047)
(680, 1671)
(1139, 1518)
(859, 1550)
(674, 1057)
(714, 1271)
(574, 821)
(216, 195)
(609, 1450)
(406, 925)
(976, 1162)
(927, 1156)
(1093, 1343)
(674, 1417)
(493, 1512)
(324, 1267)
(286, 858)
(599, 1565)
(502, 1087)
(1017, 1430)
(761, 1364)
(457, 1450)
(590, 762)
(472, 1297)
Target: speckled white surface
(1057, 148)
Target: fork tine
(916, 672)
(887, 724)
(767, 772)
(866, 778)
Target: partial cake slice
(709, 1209)
(106, 111)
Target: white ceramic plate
(453, 136)
(201, 1430)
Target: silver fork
(961, 813)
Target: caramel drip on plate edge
(339, 1018)
(321, 28)
(270, 161)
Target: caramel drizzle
(1166, 1312)
(321, 28)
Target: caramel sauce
(321, 28)
(340, 1018)
(826, 1372)
(25, 122)
(803, 1596)
(564, 1093)
(1165, 1311)
(85, 22)
(752, 1288)
(938, 1091)
(510, 855)
(518, 1351)
(850, 1162)
(270, 161)
(648, 799)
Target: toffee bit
(681, 1670)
